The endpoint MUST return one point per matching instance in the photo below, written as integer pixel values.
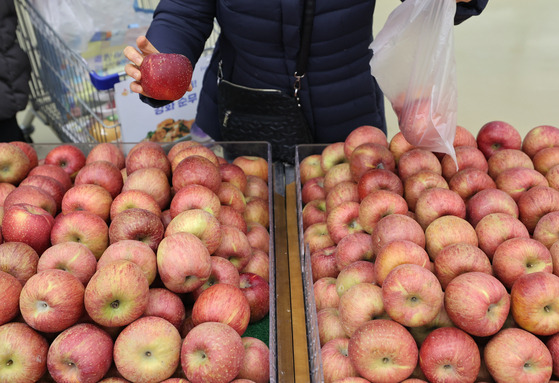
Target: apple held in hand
(165, 76)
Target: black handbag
(248, 114)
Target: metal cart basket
(75, 101)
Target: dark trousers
(10, 130)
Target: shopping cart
(66, 94)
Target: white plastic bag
(413, 63)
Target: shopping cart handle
(104, 82)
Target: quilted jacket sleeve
(466, 10)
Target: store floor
(507, 67)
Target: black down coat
(15, 69)
(259, 44)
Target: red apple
(256, 361)
(195, 196)
(333, 154)
(165, 76)
(338, 173)
(396, 227)
(148, 157)
(53, 171)
(477, 303)
(258, 264)
(354, 273)
(507, 159)
(325, 294)
(383, 350)
(317, 237)
(200, 223)
(313, 189)
(437, 202)
(52, 301)
(257, 291)
(132, 250)
(166, 304)
(354, 247)
(358, 305)
(233, 174)
(368, 156)
(234, 247)
(18, 259)
(417, 183)
(329, 325)
(10, 289)
(230, 195)
(416, 160)
(137, 224)
(516, 181)
(361, 135)
(497, 135)
(552, 177)
(15, 164)
(106, 151)
(377, 205)
(489, 201)
(102, 173)
(342, 192)
(470, 181)
(256, 187)
(223, 271)
(49, 185)
(466, 157)
(29, 151)
(447, 230)
(28, 224)
(88, 197)
(552, 344)
(459, 258)
(496, 228)
(546, 230)
(194, 150)
(545, 159)
(152, 181)
(5, 189)
(229, 216)
(398, 146)
(323, 263)
(73, 257)
(535, 203)
(309, 168)
(314, 212)
(395, 253)
(335, 361)
(134, 199)
(344, 219)
(257, 210)
(540, 137)
(376, 179)
(69, 157)
(31, 195)
(258, 236)
(253, 165)
(464, 137)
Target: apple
(552, 177)
(540, 137)
(437, 202)
(412, 295)
(53, 171)
(165, 76)
(69, 157)
(459, 258)
(377, 205)
(470, 181)
(396, 227)
(223, 271)
(329, 325)
(497, 135)
(421, 332)
(323, 263)
(148, 157)
(31, 195)
(258, 236)
(464, 137)
(131, 250)
(546, 230)
(73, 257)
(325, 293)
(180, 145)
(466, 157)
(52, 301)
(354, 247)
(420, 181)
(257, 292)
(314, 212)
(507, 362)
(200, 223)
(29, 151)
(552, 345)
(489, 201)
(233, 174)
(376, 179)
(337, 174)
(395, 253)
(234, 247)
(416, 160)
(256, 187)
(495, 228)
(14, 163)
(153, 181)
(545, 159)
(317, 237)
(231, 217)
(70, 355)
(518, 256)
(117, 294)
(88, 197)
(344, 219)
(183, 262)
(258, 264)
(333, 154)
(253, 166)
(477, 303)
(535, 203)
(147, 350)
(195, 196)
(18, 259)
(516, 181)
(447, 230)
(354, 273)
(309, 168)
(358, 305)
(535, 302)
(313, 189)
(230, 195)
(28, 224)
(212, 352)
(10, 289)
(194, 150)
(24, 353)
(5, 189)
(257, 210)
(137, 224)
(416, 120)
(342, 192)
(134, 199)
(383, 350)
(165, 304)
(222, 303)
(507, 159)
(449, 354)
(256, 361)
(398, 146)
(368, 156)
(363, 134)
(106, 151)
(51, 186)
(335, 361)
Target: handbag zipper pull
(226, 117)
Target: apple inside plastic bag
(414, 65)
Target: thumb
(145, 46)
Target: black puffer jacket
(15, 69)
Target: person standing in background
(15, 73)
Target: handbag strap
(303, 59)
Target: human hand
(136, 57)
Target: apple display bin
(265, 329)
(313, 340)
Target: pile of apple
(427, 269)
(144, 267)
